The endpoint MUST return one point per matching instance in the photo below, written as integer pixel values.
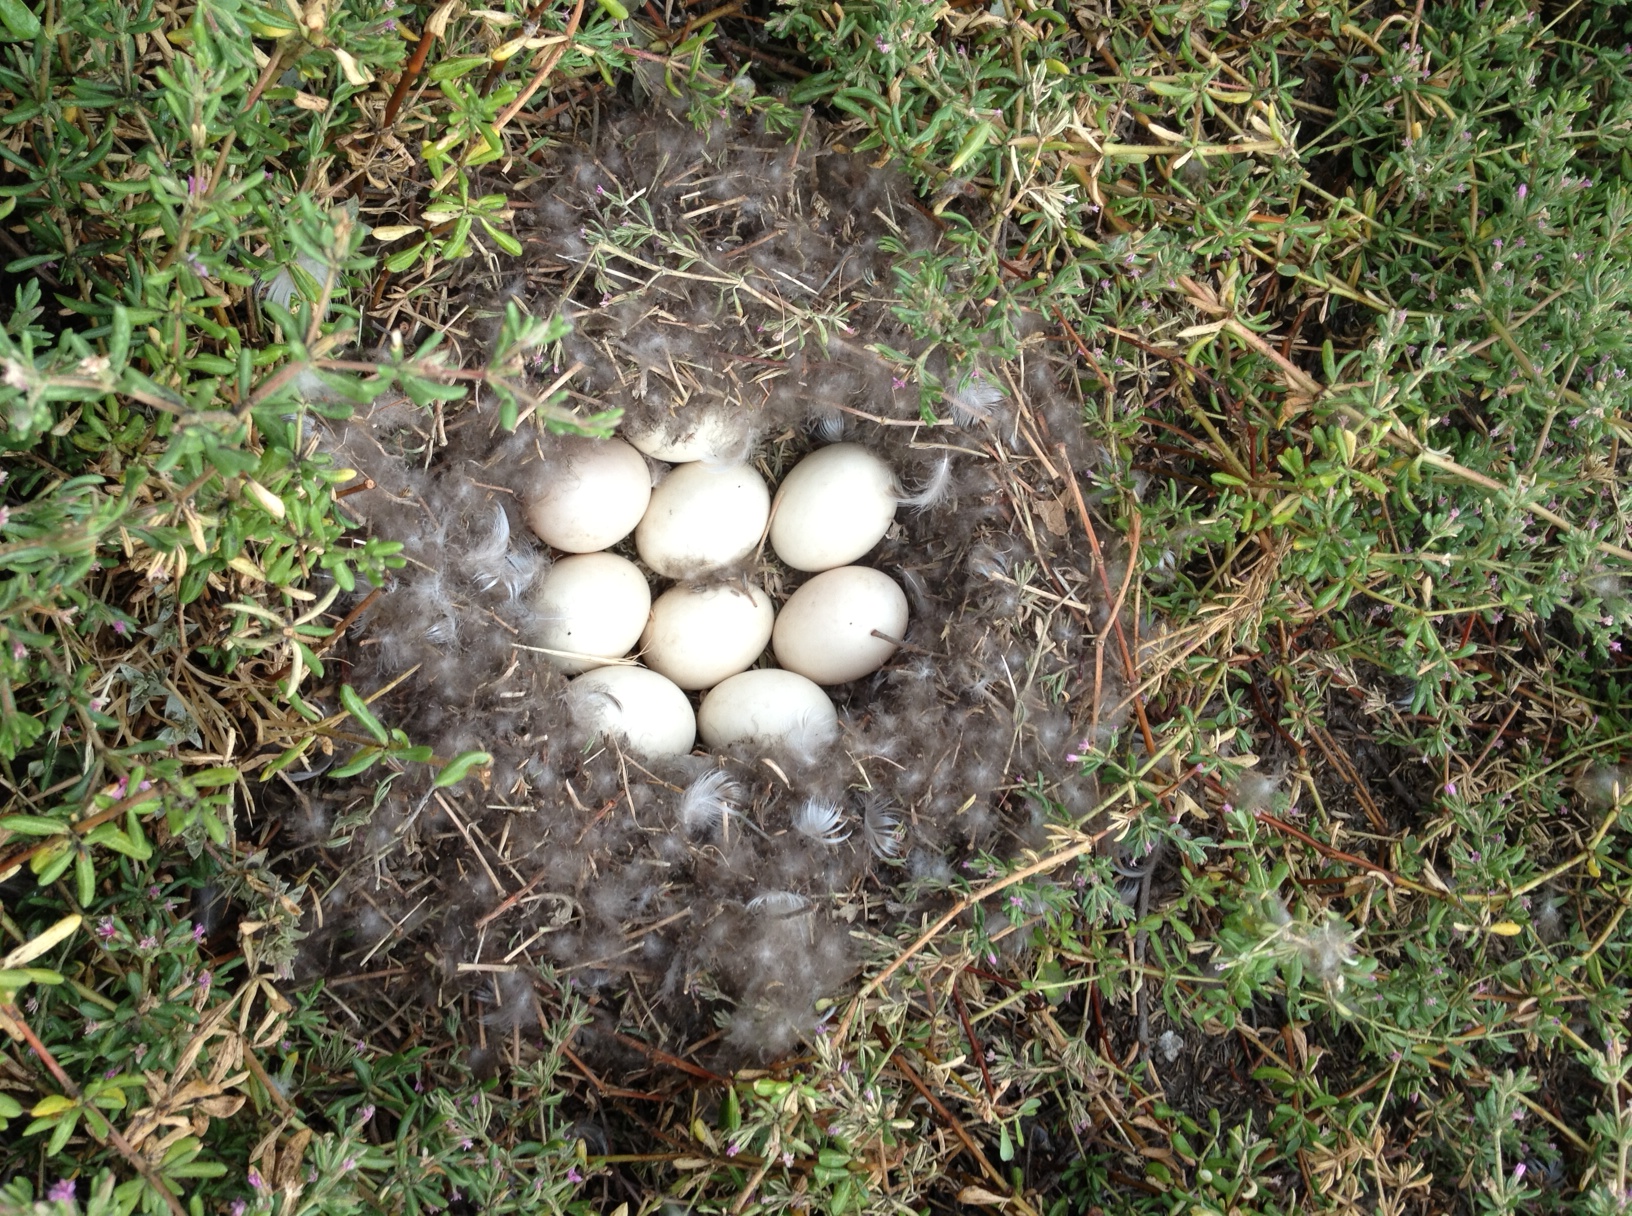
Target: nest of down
(732, 271)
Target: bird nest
(716, 901)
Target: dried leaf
(980, 1195)
(36, 946)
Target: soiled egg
(770, 706)
(700, 635)
(590, 498)
(826, 629)
(702, 517)
(589, 610)
(833, 506)
(642, 708)
(696, 435)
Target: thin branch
(138, 1162)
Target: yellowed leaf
(264, 498)
(355, 73)
(36, 946)
(980, 1195)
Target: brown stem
(975, 1048)
(410, 72)
(551, 58)
(1326, 850)
(80, 827)
(987, 1168)
(1053, 861)
(138, 1162)
(1128, 665)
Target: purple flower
(205, 979)
(1523, 191)
(18, 650)
(119, 627)
(62, 1191)
(255, 1180)
(367, 1112)
(573, 1175)
(1450, 788)
(466, 1143)
(105, 929)
(349, 1164)
(148, 942)
(237, 1207)
(883, 47)
(732, 1149)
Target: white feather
(778, 903)
(935, 490)
(881, 828)
(822, 821)
(709, 799)
(974, 401)
(493, 563)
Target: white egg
(591, 498)
(833, 506)
(700, 635)
(642, 708)
(768, 705)
(694, 435)
(589, 610)
(702, 517)
(825, 630)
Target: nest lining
(725, 269)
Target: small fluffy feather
(822, 821)
(881, 828)
(974, 401)
(708, 800)
(828, 425)
(494, 563)
(935, 490)
(778, 903)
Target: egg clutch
(701, 521)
